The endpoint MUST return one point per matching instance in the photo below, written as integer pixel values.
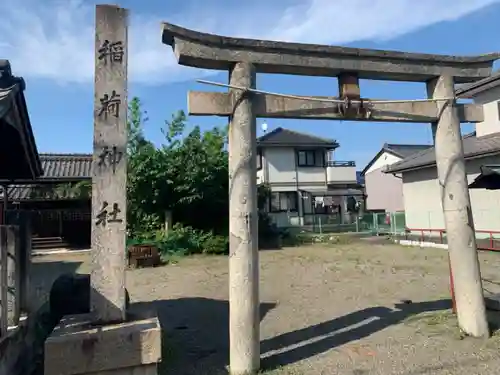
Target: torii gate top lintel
(196, 49)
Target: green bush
(216, 244)
(183, 240)
(266, 227)
(296, 239)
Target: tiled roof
(399, 150)
(66, 166)
(473, 147)
(39, 192)
(18, 192)
(469, 90)
(285, 137)
(57, 168)
(404, 151)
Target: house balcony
(341, 172)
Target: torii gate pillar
(457, 212)
(243, 237)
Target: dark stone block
(70, 294)
(143, 256)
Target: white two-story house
(305, 179)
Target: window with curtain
(306, 158)
(310, 158)
(284, 201)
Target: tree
(188, 175)
(199, 166)
(140, 172)
(135, 126)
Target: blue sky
(50, 44)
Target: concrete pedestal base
(78, 347)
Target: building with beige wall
(384, 192)
(304, 177)
(421, 192)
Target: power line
(322, 100)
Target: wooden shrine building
(58, 202)
(50, 189)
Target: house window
(322, 159)
(306, 158)
(284, 201)
(259, 160)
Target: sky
(51, 44)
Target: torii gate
(243, 58)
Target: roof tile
(72, 167)
(473, 146)
(405, 150)
(66, 166)
(286, 137)
(400, 150)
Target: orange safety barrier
(482, 244)
(491, 241)
(490, 246)
(424, 230)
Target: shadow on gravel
(195, 334)
(195, 340)
(322, 337)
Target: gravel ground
(325, 310)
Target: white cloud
(55, 40)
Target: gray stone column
(243, 247)
(109, 172)
(457, 212)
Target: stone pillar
(244, 316)
(102, 342)
(457, 212)
(109, 172)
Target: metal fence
(425, 226)
(370, 223)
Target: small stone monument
(107, 340)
